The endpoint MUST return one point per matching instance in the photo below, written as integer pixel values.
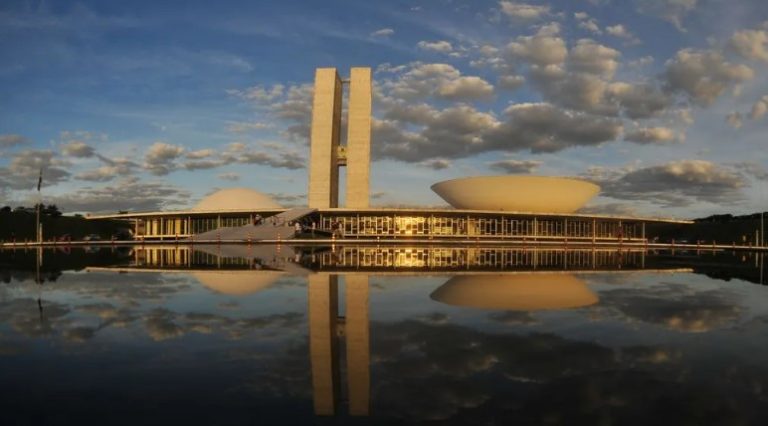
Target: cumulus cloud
(522, 12)
(750, 44)
(620, 31)
(259, 93)
(673, 11)
(652, 135)
(384, 32)
(542, 127)
(200, 154)
(590, 57)
(440, 46)
(759, 108)
(77, 149)
(703, 75)
(541, 49)
(24, 169)
(160, 158)
(511, 82)
(128, 193)
(512, 166)
(442, 81)
(676, 183)
(9, 140)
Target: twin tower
(327, 154)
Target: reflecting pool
(382, 335)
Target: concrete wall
(359, 138)
(324, 137)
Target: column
(358, 345)
(323, 344)
(359, 138)
(324, 140)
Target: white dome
(236, 199)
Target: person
(297, 226)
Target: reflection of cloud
(675, 306)
(160, 325)
(513, 317)
(446, 372)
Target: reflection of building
(368, 258)
(492, 208)
(529, 291)
(326, 328)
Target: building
(530, 208)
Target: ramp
(273, 228)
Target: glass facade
(398, 224)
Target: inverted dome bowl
(537, 194)
(516, 292)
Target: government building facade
(527, 208)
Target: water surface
(233, 335)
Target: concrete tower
(326, 154)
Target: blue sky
(147, 105)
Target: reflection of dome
(516, 292)
(541, 194)
(236, 199)
(237, 283)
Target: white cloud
(750, 44)
(440, 46)
(78, 149)
(621, 31)
(521, 12)
(652, 135)
(759, 108)
(160, 158)
(384, 32)
(734, 119)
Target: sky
(148, 105)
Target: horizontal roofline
(132, 215)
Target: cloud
(437, 164)
(230, 176)
(9, 140)
(620, 31)
(522, 12)
(511, 82)
(515, 166)
(652, 135)
(77, 149)
(542, 127)
(384, 32)
(200, 154)
(442, 81)
(590, 57)
(541, 49)
(734, 119)
(703, 75)
(759, 108)
(128, 193)
(440, 46)
(753, 169)
(259, 93)
(750, 44)
(160, 158)
(24, 169)
(674, 184)
(242, 127)
(672, 11)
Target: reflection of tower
(325, 330)
(326, 154)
